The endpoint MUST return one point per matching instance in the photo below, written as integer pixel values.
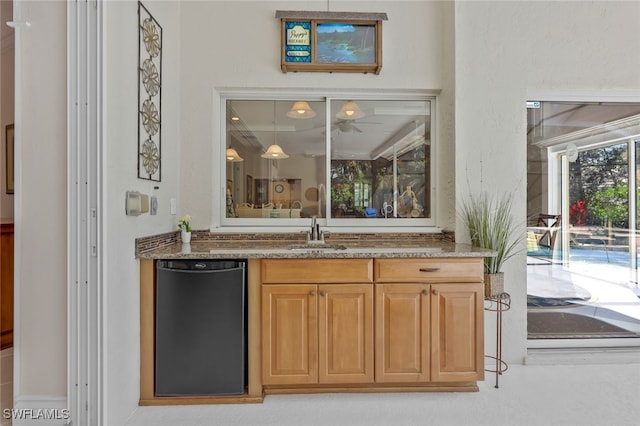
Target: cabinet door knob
(435, 292)
(312, 293)
(323, 293)
(425, 292)
(429, 269)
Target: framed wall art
(331, 41)
(10, 158)
(149, 95)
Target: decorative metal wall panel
(149, 95)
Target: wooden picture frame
(10, 158)
(331, 41)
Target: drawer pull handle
(429, 269)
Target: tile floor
(6, 383)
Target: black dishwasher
(201, 327)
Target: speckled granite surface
(394, 246)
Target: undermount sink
(318, 246)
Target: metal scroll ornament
(149, 95)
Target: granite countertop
(273, 249)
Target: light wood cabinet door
(402, 333)
(289, 334)
(457, 332)
(345, 333)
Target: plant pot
(185, 237)
(493, 284)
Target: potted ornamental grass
(491, 226)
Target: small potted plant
(491, 226)
(184, 225)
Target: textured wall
(507, 52)
(237, 45)
(121, 268)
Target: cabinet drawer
(429, 270)
(317, 271)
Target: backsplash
(153, 242)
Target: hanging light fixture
(233, 156)
(301, 109)
(350, 111)
(274, 152)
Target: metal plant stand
(498, 304)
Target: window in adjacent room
(345, 161)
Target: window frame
(221, 222)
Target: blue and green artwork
(340, 43)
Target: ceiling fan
(346, 126)
(342, 126)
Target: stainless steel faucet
(315, 235)
(314, 231)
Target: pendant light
(274, 152)
(350, 111)
(301, 109)
(233, 156)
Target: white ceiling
(385, 123)
(553, 119)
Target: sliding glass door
(598, 206)
(583, 223)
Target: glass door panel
(582, 188)
(599, 213)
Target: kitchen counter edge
(229, 250)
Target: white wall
(229, 44)
(41, 214)
(121, 268)
(198, 58)
(507, 52)
(202, 62)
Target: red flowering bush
(578, 213)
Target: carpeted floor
(545, 325)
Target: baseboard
(41, 410)
(566, 356)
